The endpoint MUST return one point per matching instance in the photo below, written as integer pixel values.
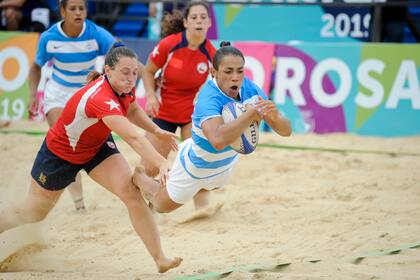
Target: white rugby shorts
(182, 187)
(56, 96)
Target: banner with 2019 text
(17, 52)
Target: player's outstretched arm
(137, 116)
(274, 118)
(127, 131)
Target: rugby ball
(248, 140)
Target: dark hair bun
(118, 44)
(224, 44)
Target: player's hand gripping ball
(248, 140)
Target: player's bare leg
(154, 192)
(115, 175)
(76, 192)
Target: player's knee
(37, 215)
(151, 171)
(158, 208)
(128, 193)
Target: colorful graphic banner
(368, 89)
(17, 52)
(258, 62)
(286, 23)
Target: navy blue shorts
(168, 126)
(54, 173)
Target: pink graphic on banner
(259, 61)
(324, 120)
(141, 94)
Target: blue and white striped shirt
(72, 58)
(199, 158)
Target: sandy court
(281, 205)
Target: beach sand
(281, 205)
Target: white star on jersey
(155, 51)
(112, 105)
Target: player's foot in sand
(202, 213)
(165, 264)
(81, 210)
(140, 179)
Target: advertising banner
(17, 52)
(368, 89)
(285, 23)
(258, 62)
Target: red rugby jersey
(183, 72)
(80, 132)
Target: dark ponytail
(224, 50)
(224, 44)
(93, 75)
(171, 23)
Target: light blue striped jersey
(72, 58)
(199, 158)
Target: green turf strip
(280, 266)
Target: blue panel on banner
(143, 47)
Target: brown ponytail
(93, 75)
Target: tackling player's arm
(34, 78)
(152, 102)
(137, 116)
(127, 131)
(221, 134)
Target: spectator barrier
(362, 88)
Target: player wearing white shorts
(72, 46)
(205, 161)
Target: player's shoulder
(209, 46)
(209, 93)
(248, 85)
(90, 25)
(251, 90)
(172, 40)
(94, 30)
(52, 33)
(209, 87)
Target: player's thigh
(186, 131)
(113, 173)
(53, 115)
(40, 199)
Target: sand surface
(281, 205)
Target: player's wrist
(150, 95)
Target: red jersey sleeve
(211, 49)
(99, 106)
(161, 51)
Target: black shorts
(53, 173)
(168, 126)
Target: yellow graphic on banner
(17, 53)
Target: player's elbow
(218, 144)
(285, 129)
